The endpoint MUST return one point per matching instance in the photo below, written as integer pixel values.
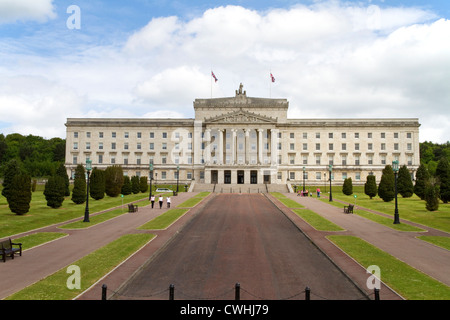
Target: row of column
(234, 147)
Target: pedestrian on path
(168, 202)
(152, 200)
(161, 199)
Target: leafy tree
(422, 177)
(347, 188)
(11, 170)
(135, 184)
(19, 194)
(386, 188)
(126, 187)
(62, 172)
(54, 191)
(431, 196)
(113, 180)
(143, 186)
(97, 184)
(404, 183)
(443, 174)
(370, 187)
(79, 185)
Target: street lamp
(304, 169)
(151, 178)
(330, 168)
(178, 176)
(88, 170)
(395, 169)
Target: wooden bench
(6, 249)
(132, 207)
(348, 209)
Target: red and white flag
(213, 75)
(272, 77)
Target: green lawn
(407, 281)
(163, 221)
(192, 202)
(286, 201)
(40, 215)
(317, 221)
(92, 267)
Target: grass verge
(286, 201)
(316, 221)
(92, 267)
(442, 242)
(407, 281)
(163, 221)
(192, 202)
(36, 239)
(93, 220)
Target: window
(305, 146)
(356, 146)
(152, 146)
(164, 135)
(317, 135)
(395, 135)
(113, 134)
(113, 160)
(88, 145)
(189, 135)
(318, 159)
(88, 134)
(396, 146)
(292, 175)
(304, 159)
(126, 135)
(177, 135)
(383, 159)
(291, 135)
(317, 146)
(291, 147)
(343, 135)
(74, 159)
(305, 135)
(125, 146)
(408, 135)
(330, 146)
(125, 160)
(100, 134)
(75, 134)
(370, 146)
(369, 135)
(75, 145)
(190, 146)
(383, 146)
(344, 146)
(357, 160)
(100, 158)
(100, 145)
(163, 159)
(344, 175)
(152, 135)
(356, 135)
(189, 175)
(164, 146)
(163, 175)
(357, 176)
(279, 135)
(139, 135)
(409, 146)
(291, 159)
(318, 176)
(370, 159)
(139, 146)
(330, 160)
(113, 145)
(279, 146)
(330, 135)
(383, 135)
(344, 160)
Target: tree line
(427, 186)
(18, 187)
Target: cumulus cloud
(25, 10)
(330, 59)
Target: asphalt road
(245, 239)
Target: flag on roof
(272, 77)
(214, 76)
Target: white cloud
(330, 59)
(24, 10)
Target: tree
(386, 188)
(143, 186)
(19, 195)
(347, 188)
(431, 196)
(370, 187)
(97, 184)
(54, 191)
(404, 183)
(79, 185)
(113, 180)
(135, 184)
(62, 172)
(126, 187)
(11, 170)
(422, 177)
(443, 174)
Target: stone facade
(247, 140)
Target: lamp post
(395, 169)
(304, 169)
(330, 168)
(178, 176)
(88, 170)
(151, 178)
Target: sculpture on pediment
(239, 92)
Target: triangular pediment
(241, 116)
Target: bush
(422, 177)
(54, 191)
(443, 174)
(143, 186)
(79, 186)
(19, 195)
(126, 187)
(431, 197)
(347, 188)
(404, 183)
(370, 187)
(386, 188)
(135, 188)
(113, 180)
(97, 184)
(11, 170)
(62, 172)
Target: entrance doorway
(253, 176)
(267, 177)
(240, 177)
(214, 177)
(227, 177)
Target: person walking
(152, 200)
(168, 202)
(161, 199)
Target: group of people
(306, 193)
(160, 200)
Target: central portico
(240, 138)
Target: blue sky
(148, 58)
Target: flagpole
(270, 84)
(211, 82)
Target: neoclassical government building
(244, 140)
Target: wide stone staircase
(241, 188)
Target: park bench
(132, 207)
(348, 209)
(6, 249)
